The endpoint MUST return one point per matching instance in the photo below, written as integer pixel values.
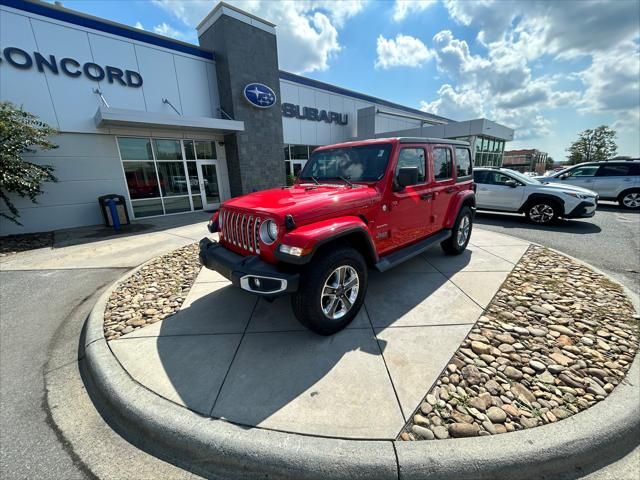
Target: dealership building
(175, 127)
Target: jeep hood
(305, 202)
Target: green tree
(549, 163)
(21, 132)
(593, 145)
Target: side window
(614, 170)
(412, 157)
(500, 178)
(442, 164)
(463, 163)
(635, 169)
(481, 176)
(586, 171)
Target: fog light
(294, 251)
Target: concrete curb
(218, 449)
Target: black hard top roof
(432, 140)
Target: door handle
(426, 196)
(451, 189)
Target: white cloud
(403, 51)
(404, 8)
(168, 31)
(139, 26)
(456, 104)
(308, 31)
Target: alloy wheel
(340, 292)
(631, 200)
(541, 213)
(464, 229)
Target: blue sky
(547, 69)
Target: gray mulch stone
(153, 293)
(12, 244)
(556, 339)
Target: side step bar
(396, 258)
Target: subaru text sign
(259, 95)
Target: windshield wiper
(315, 180)
(345, 181)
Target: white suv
(505, 190)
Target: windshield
(366, 163)
(527, 180)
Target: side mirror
(511, 183)
(407, 176)
(564, 176)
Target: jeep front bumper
(248, 273)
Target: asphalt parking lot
(610, 240)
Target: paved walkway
(230, 355)
(100, 247)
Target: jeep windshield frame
(357, 164)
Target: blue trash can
(114, 210)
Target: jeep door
(613, 178)
(496, 191)
(443, 186)
(408, 217)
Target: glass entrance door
(207, 185)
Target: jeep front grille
(240, 230)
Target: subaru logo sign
(259, 95)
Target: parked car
(506, 190)
(373, 203)
(614, 180)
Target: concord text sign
(22, 60)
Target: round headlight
(268, 231)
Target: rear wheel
(542, 212)
(459, 239)
(630, 199)
(331, 291)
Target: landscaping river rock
(556, 339)
(152, 293)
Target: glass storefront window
(168, 149)
(177, 204)
(189, 150)
(299, 152)
(135, 148)
(287, 156)
(206, 150)
(147, 208)
(141, 179)
(172, 178)
(194, 181)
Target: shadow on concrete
(507, 220)
(250, 359)
(96, 233)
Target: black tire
(460, 235)
(542, 212)
(308, 301)
(630, 199)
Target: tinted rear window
(614, 170)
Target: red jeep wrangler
(358, 204)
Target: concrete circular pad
(228, 354)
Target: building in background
(530, 160)
(176, 127)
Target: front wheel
(459, 239)
(630, 200)
(541, 212)
(331, 291)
